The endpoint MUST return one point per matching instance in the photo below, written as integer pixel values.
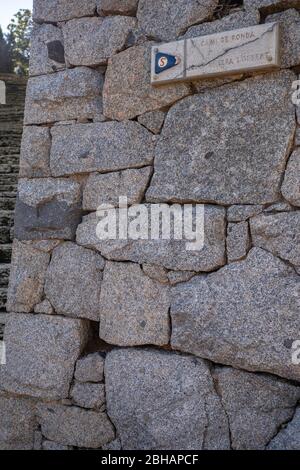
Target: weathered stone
(114, 445)
(238, 241)
(35, 152)
(166, 19)
(133, 307)
(88, 395)
(219, 163)
(70, 94)
(92, 41)
(46, 246)
(256, 405)
(290, 36)
(90, 368)
(297, 137)
(180, 276)
(107, 188)
(27, 277)
(74, 426)
(271, 6)
(245, 315)
(172, 254)
(44, 307)
(47, 208)
(100, 147)
(153, 120)
(50, 445)
(158, 273)
(62, 10)
(127, 89)
(239, 19)
(73, 281)
(41, 351)
(288, 438)
(37, 440)
(291, 184)
(163, 401)
(47, 50)
(279, 207)
(17, 424)
(242, 213)
(279, 234)
(117, 7)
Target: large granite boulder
(35, 152)
(245, 315)
(101, 147)
(47, 53)
(134, 309)
(256, 405)
(176, 254)
(164, 401)
(166, 19)
(62, 10)
(70, 94)
(41, 351)
(73, 281)
(47, 208)
(127, 91)
(288, 438)
(117, 7)
(291, 184)
(211, 142)
(271, 6)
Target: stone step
(5, 253)
(8, 188)
(13, 151)
(7, 203)
(8, 194)
(7, 168)
(3, 318)
(4, 274)
(5, 235)
(8, 179)
(3, 297)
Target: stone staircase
(11, 122)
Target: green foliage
(6, 64)
(18, 40)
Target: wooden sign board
(229, 53)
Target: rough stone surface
(256, 405)
(211, 159)
(127, 89)
(41, 352)
(290, 36)
(70, 94)
(278, 207)
(153, 120)
(100, 147)
(297, 137)
(291, 184)
(107, 188)
(17, 424)
(88, 395)
(90, 368)
(44, 307)
(270, 6)
(47, 50)
(245, 315)
(70, 425)
(279, 234)
(166, 19)
(35, 152)
(117, 7)
(50, 445)
(92, 41)
(27, 277)
(239, 19)
(242, 213)
(133, 307)
(238, 241)
(62, 10)
(180, 276)
(73, 281)
(288, 438)
(47, 208)
(172, 254)
(158, 273)
(114, 445)
(163, 401)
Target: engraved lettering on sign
(231, 52)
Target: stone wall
(141, 344)
(11, 126)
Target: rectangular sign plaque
(228, 53)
